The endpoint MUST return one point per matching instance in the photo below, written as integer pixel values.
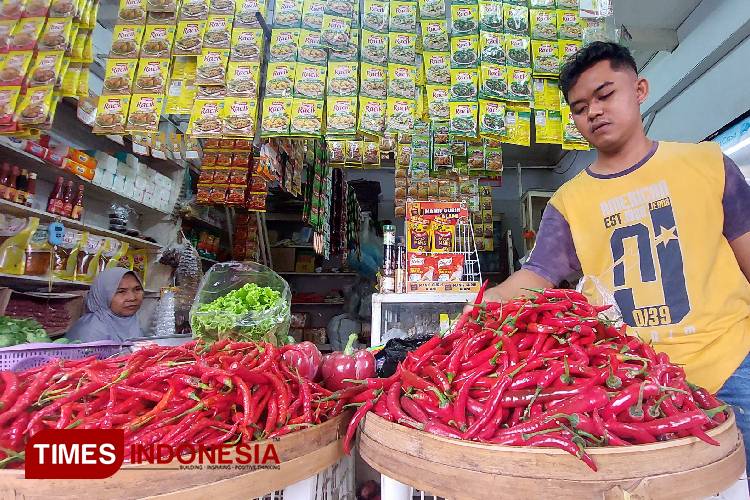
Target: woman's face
(128, 297)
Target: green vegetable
(15, 331)
(249, 313)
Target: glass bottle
(77, 212)
(55, 196)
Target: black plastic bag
(395, 351)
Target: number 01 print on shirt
(648, 271)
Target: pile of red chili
(194, 393)
(543, 370)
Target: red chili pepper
(392, 400)
(413, 410)
(351, 430)
(490, 408)
(635, 432)
(629, 397)
(437, 376)
(30, 395)
(272, 415)
(563, 443)
(10, 389)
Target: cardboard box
(283, 259)
(305, 263)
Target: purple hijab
(99, 322)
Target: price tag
(55, 231)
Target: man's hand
(517, 284)
(741, 247)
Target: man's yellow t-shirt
(656, 235)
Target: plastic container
(24, 356)
(270, 325)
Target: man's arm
(736, 203)
(552, 260)
(741, 247)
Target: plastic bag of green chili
(244, 301)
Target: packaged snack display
(465, 51)
(543, 24)
(144, 112)
(310, 82)
(342, 79)
(372, 116)
(189, 37)
(402, 48)
(568, 25)
(310, 48)
(464, 118)
(492, 119)
(283, 45)
(400, 115)
(276, 117)
(205, 118)
(341, 115)
(247, 44)
(307, 117)
(519, 84)
(464, 19)
(218, 33)
(280, 79)
(312, 14)
(437, 68)
(401, 81)
(242, 79)
(375, 16)
(546, 61)
(126, 41)
(239, 116)
(517, 51)
(493, 81)
(374, 48)
(403, 17)
(432, 9)
(438, 97)
(516, 19)
(373, 81)
(464, 84)
(111, 113)
(158, 40)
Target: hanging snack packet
(14, 66)
(464, 118)
(247, 44)
(570, 132)
(464, 19)
(310, 49)
(546, 94)
(56, 35)
(349, 52)
(218, 33)
(312, 14)
(435, 35)
(245, 13)
(516, 19)
(342, 79)
(399, 115)
(335, 31)
(464, 84)
(438, 97)
(443, 235)
(341, 115)
(205, 118)
(45, 69)
(519, 84)
(493, 81)
(144, 113)
(354, 153)
(517, 51)
(569, 25)
(126, 41)
(9, 97)
(418, 235)
(310, 82)
(373, 81)
(212, 67)
(283, 46)
(129, 12)
(192, 10)
(151, 76)
(543, 4)
(518, 124)
(375, 16)
(545, 58)
(276, 117)
(110, 114)
(65, 255)
(157, 41)
(221, 7)
(238, 117)
(371, 155)
(336, 152)
(307, 118)
(402, 48)
(465, 51)
(548, 126)
(280, 79)
(189, 38)
(287, 14)
(432, 9)
(568, 49)
(543, 24)
(437, 68)
(492, 119)
(490, 16)
(374, 48)
(242, 79)
(401, 81)
(403, 17)
(372, 113)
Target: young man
(665, 227)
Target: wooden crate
(453, 469)
(303, 454)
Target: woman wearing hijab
(111, 306)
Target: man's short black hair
(617, 55)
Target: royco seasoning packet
(569, 25)
(372, 113)
(283, 46)
(546, 94)
(157, 40)
(373, 81)
(437, 68)
(212, 67)
(464, 19)
(568, 49)
(342, 79)
(245, 10)
(341, 116)
(492, 47)
(349, 52)
(492, 119)
(403, 17)
(374, 48)
(399, 115)
(129, 12)
(435, 35)
(126, 41)
(375, 16)
(193, 9)
(543, 24)
(547, 126)
(310, 82)
(519, 84)
(151, 76)
(402, 48)
(280, 79)
(238, 117)
(111, 112)
(432, 9)
(438, 97)
(402, 81)
(464, 116)
(307, 118)
(218, 33)
(312, 14)
(144, 112)
(247, 44)
(242, 79)
(276, 117)
(310, 48)
(335, 31)
(516, 19)
(221, 7)
(545, 59)
(518, 124)
(205, 118)
(189, 38)
(493, 80)
(517, 51)
(464, 84)
(287, 14)
(490, 16)
(45, 69)
(465, 51)
(543, 4)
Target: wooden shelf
(51, 172)
(292, 273)
(46, 281)
(15, 209)
(318, 303)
